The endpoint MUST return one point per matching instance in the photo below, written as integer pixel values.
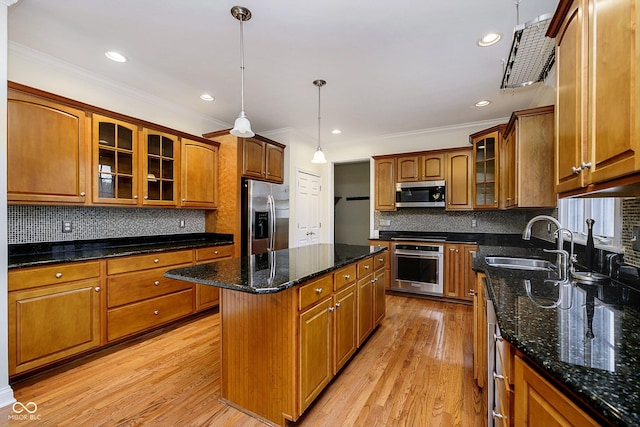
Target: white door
(307, 209)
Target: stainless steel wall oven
(418, 268)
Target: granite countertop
(274, 271)
(38, 254)
(591, 343)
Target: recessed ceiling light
(489, 39)
(336, 131)
(115, 56)
(483, 103)
(206, 97)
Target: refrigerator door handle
(272, 221)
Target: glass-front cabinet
(115, 156)
(485, 153)
(160, 168)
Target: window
(607, 214)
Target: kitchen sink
(534, 264)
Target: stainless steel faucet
(564, 260)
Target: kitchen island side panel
(258, 369)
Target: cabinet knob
(497, 415)
(498, 377)
(215, 252)
(472, 292)
(135, 197)
(83, 194)
(58, 275)
(331, 308)
(146, 197)
(184, 200)
(97, 289)
(374, 280)
(156, 261)
(157, 283)
(497, 338)
(366, 267)
(318, 290)
(337, 304)
(156, 312)
(347, 276)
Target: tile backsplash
(630, 218)
(34, 224)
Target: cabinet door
(571, 120)
(315, 352)
(508, 197)
(485, 150)
(385, 184)
(365, 308)
(51, 323)
(613, 63)
(480, 333)
(459, 180)
(253, 158)
(160, 168)
(274, 163)
(379, 295)
(115, 161)
(47, 147)
(345, 326)
(199, 175)
(432, 167)
(408, 168)
(453, 275)
(469, 274)
(538, 403)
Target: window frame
(614, 244)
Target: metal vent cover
(532, 54)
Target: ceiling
(391, 67)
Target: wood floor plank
(415, 370)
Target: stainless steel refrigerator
(265, 216)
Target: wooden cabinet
(459, 179)
(597, 120)
(345, 326)
(199, 183)
(365, 299)
(383, 259)
(459, 276)
(408, 168)
(432, 167)
(379, 294)
(539, 403)
(209, 296)
(485, 167)
(48, 144)
(526, 172)
(53, 314)
(160, 168)
(385, 184)
(480, 333)
(503, 397)
(262, 159)
(141, 298)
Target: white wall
(6, 393)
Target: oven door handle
(413, 254)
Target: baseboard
(6, 396)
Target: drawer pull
(58, 275)
(366, 267)
(156, 312)
(318, 290)
(347, 276)
(157, 282)
(156, 261)
(97, 288)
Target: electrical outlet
(474, 223)
(385, 222)
(182, 223)
(67, 226)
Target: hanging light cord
(319, 145)
(242, 65)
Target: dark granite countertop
(275, 271)
(591, 343)
(37, 254)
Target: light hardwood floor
(415, 370)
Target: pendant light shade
(241, 127)
(318, 156)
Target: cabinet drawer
(315, 291)
(365, 267)
(139, 316)
(344, 276)
(41, 276)
(128, 288)
(214, 252)
(143, 262)
(381, 260)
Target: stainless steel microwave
(420, 194)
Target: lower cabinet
(379, 294)
(54, 313)
(459, 276)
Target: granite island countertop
(591, 345)
(274, 271)
(38, 254)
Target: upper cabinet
(47, 151)
(408, 168)
(459, 179)
(526, 172)
(432, 167)
(160, 168)
(199, 174)
(597, 119)
(384, 184)
(485, 167)
(115, 157)
(262, 159)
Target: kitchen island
(588, 346)
(290, 320)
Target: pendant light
(318, 156)
(241, 127)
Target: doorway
(351, 187)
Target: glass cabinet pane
(153, 144)
(167, 169)
(167, 147)
(125, 138)
(490, 148)
(125, 163)
(160, 168)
